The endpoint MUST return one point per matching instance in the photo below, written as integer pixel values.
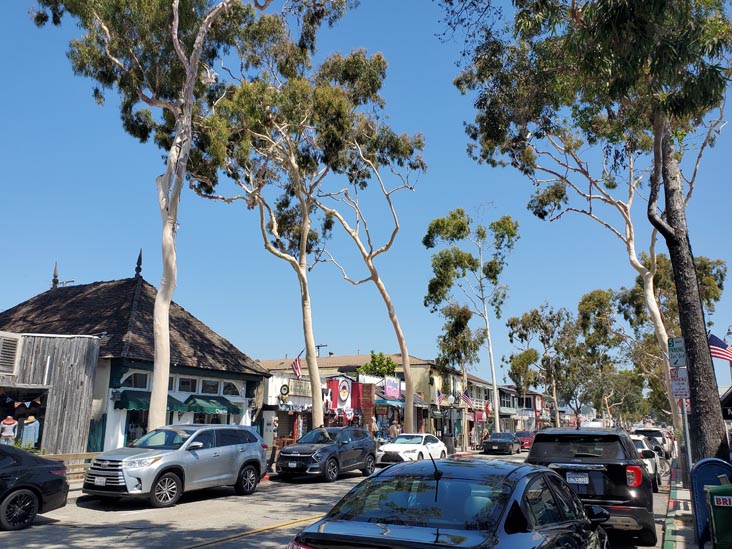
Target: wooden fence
(76, 464)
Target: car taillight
(295, 545)
(264, 446)
(59, 472)
(634, 475)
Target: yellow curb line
(251, 532)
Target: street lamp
(451, 400)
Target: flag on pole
(466, 399)
(297, 367)
(719, 348)
(439, 398)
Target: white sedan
(410, 447)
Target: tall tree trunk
(496, 401)
(409, 423)
(556, 404)
(310, 349)
(707, 431)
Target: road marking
(253, 532)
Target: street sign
(676, 352)
(679, 383)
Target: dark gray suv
(328, 451)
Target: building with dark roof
(210, 379)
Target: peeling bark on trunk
(707, 431)
(310, 349)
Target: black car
(328, 451)
(505, 443)
(458, 502)
(29, 485)
(604, 468)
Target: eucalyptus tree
(459, 346)
(627, 78)
(286, 136)
(520, 371)
(160, 55)
(475, 273)
(401, 157)
(541, 328)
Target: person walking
(393, 430)
(8, 430)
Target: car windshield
(415, 501)
(408, 439)
(501, 436)
(523, 434)
(579, 445)
(164, 439)
(319, 436)
(639, 444)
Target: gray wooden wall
(70, 385)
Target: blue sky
(80, 191)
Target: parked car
(29, 485)
(458, 502)
(506, 443)
(411, 447)
(657, 433)
(174, 459)
(526, 438)
(328, 451)
(652, 463)
(604, 468)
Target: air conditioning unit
(9, 347)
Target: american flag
(439, 398)
(719, 348)
(297, 367)
(466, 399)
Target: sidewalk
(678, 532)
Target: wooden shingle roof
(121, 313)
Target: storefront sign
(392, 388)
(300, 388)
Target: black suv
(328, 451)
(604, 468)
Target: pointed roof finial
(138, 269)
(54, 280)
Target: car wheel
(331, 470)
(443, 454)
(18, 510)
(420, 457)
(369, 466)
(247, 481)
(166, 490)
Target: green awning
(211, 405)
(140, 400)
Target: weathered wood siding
(70, 383)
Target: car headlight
(139, 463)
(318, 455)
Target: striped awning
(140, 400)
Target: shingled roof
(121, 313)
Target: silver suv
(179, 458)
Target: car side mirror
(648, 454)
(658, 450)
(597, 514)
(195, 445)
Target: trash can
(719, 501)
(449, 441)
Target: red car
(526, 438)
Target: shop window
(230, 389)
(171, 383)
(187, 385)
(135, 381)
(209, 387)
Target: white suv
(179, 458)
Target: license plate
(578, 478)
(494, 448)
(292, 464)
(100, 481)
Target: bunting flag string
(26, 403)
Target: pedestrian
(374, 426)
(393, 430)
(473, 439)
(8, 430)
